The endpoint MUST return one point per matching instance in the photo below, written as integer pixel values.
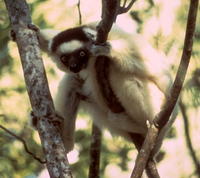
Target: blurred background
(163, 23)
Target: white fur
(46, 35)
(89, 31)
(69, 47)
(139, 78)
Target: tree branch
(110, 9)
(108, 17)
(39, 94)
(24, 143)
(103, 28)
(95, 150)
(162, 118)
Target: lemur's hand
(33, 27)
(100, 49)
(54, 117)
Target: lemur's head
(71, 49)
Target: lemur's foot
(55, 117)
(33, 120)
(12, 35)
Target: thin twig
(182, 70)
(188, 138)
(79, 12)
(24, 143)
(162, 118)
(123, 9)
(124, 4)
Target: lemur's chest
(91, 90)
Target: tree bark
(38, 90)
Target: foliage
(162, 23)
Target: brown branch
(39, 94)
(108, 17)
(109, 12)
(151, 169)
(162, 118)
(24, 143)
(95, 150)
(103, 28)
(145, 152)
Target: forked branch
(162, 118)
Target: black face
(75, 61)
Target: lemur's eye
(82, 54)
(63, 58)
